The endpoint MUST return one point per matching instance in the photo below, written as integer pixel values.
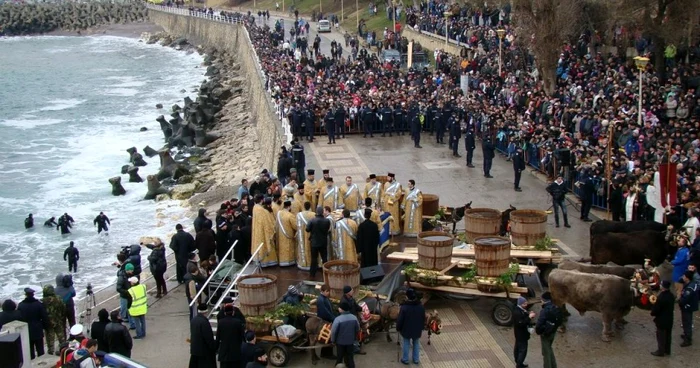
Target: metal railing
(235, 281)
(216, 16)
(203, 287)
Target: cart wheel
(502, 313)
(278, 355)
(544, 274)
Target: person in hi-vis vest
(138, 306)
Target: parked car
(324, 25)
(390, 55)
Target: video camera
(89, 289)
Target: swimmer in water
(102, 221)
(64, 225)
(29, 222)
(51, 222)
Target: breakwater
(39, 18)
(251, 132)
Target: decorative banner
(669, 186)
(464, 83)
(410, 54)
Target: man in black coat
(662, 311)
(369, 118)
(230, 332)
(410, 325)
(522, 321)
(329, 121)
(101, 221)
(182, 243)
(587, 188)
(319, 227)
(340, 119)
(117, 337)
(557, 189)
(489, 151)
(455, 131)
(518, 167)
(9, 313)
(368, 240)
(203, 347)
(309, 120)
(248, 348)
(200, 220)
(469, 145)
(34, 314)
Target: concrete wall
(430, 42)
(233, 38)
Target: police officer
(469, 145)
(445, 115)
(489, 152)
(455, 131)
(310, 123)
(385, 116)
(399, 118)
(299, 160)
(688, 303)
(432, 118)
(368, 119)
(296, 118)
(414, 116)
(518, 167)
(340, 119)
(329, 121)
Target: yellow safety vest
(139, 301)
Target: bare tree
(547, 24)
(665, 21)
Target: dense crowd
(566, 131)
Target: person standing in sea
(101, 221)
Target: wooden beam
(464, 291)
(469, 253)
(457, 262)
(448, 268)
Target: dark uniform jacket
(229, 335)
(34, 314)
(202, 343)
(662, 311)
(521, 321)
(118, 339)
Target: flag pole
(608, 168)
(667, 190)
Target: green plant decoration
(545, 243)
(470, 275)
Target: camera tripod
(88, 303)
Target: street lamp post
(357, 15)
(393, 15)
(447, 29)
(342, 10)
(320, 6)
(641, 63)
(500, 32)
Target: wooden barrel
(257, 294)
(528, 226)
(431, 204)
(435, 250)
(339, 273)
(481, 222)
(492, 254)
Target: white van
(324, 25)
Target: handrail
(203, 287)
(230, 286)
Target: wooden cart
(502, 311)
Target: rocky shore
(213, 137)
(40, 18)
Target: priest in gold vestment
(304, 238)
(390, 202)
(350, 195)
(345, 236)
(413, 210)
(286, 235)
(328, 197)
(311, 188)
(263, 231)
(373, 190)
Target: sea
(69, 109)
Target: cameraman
(557, 189)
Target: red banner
(669, 184)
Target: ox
(608, 269)
(610, 295)
(605, 226)
(630, 248)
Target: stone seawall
(233, 38)
(38, 18)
